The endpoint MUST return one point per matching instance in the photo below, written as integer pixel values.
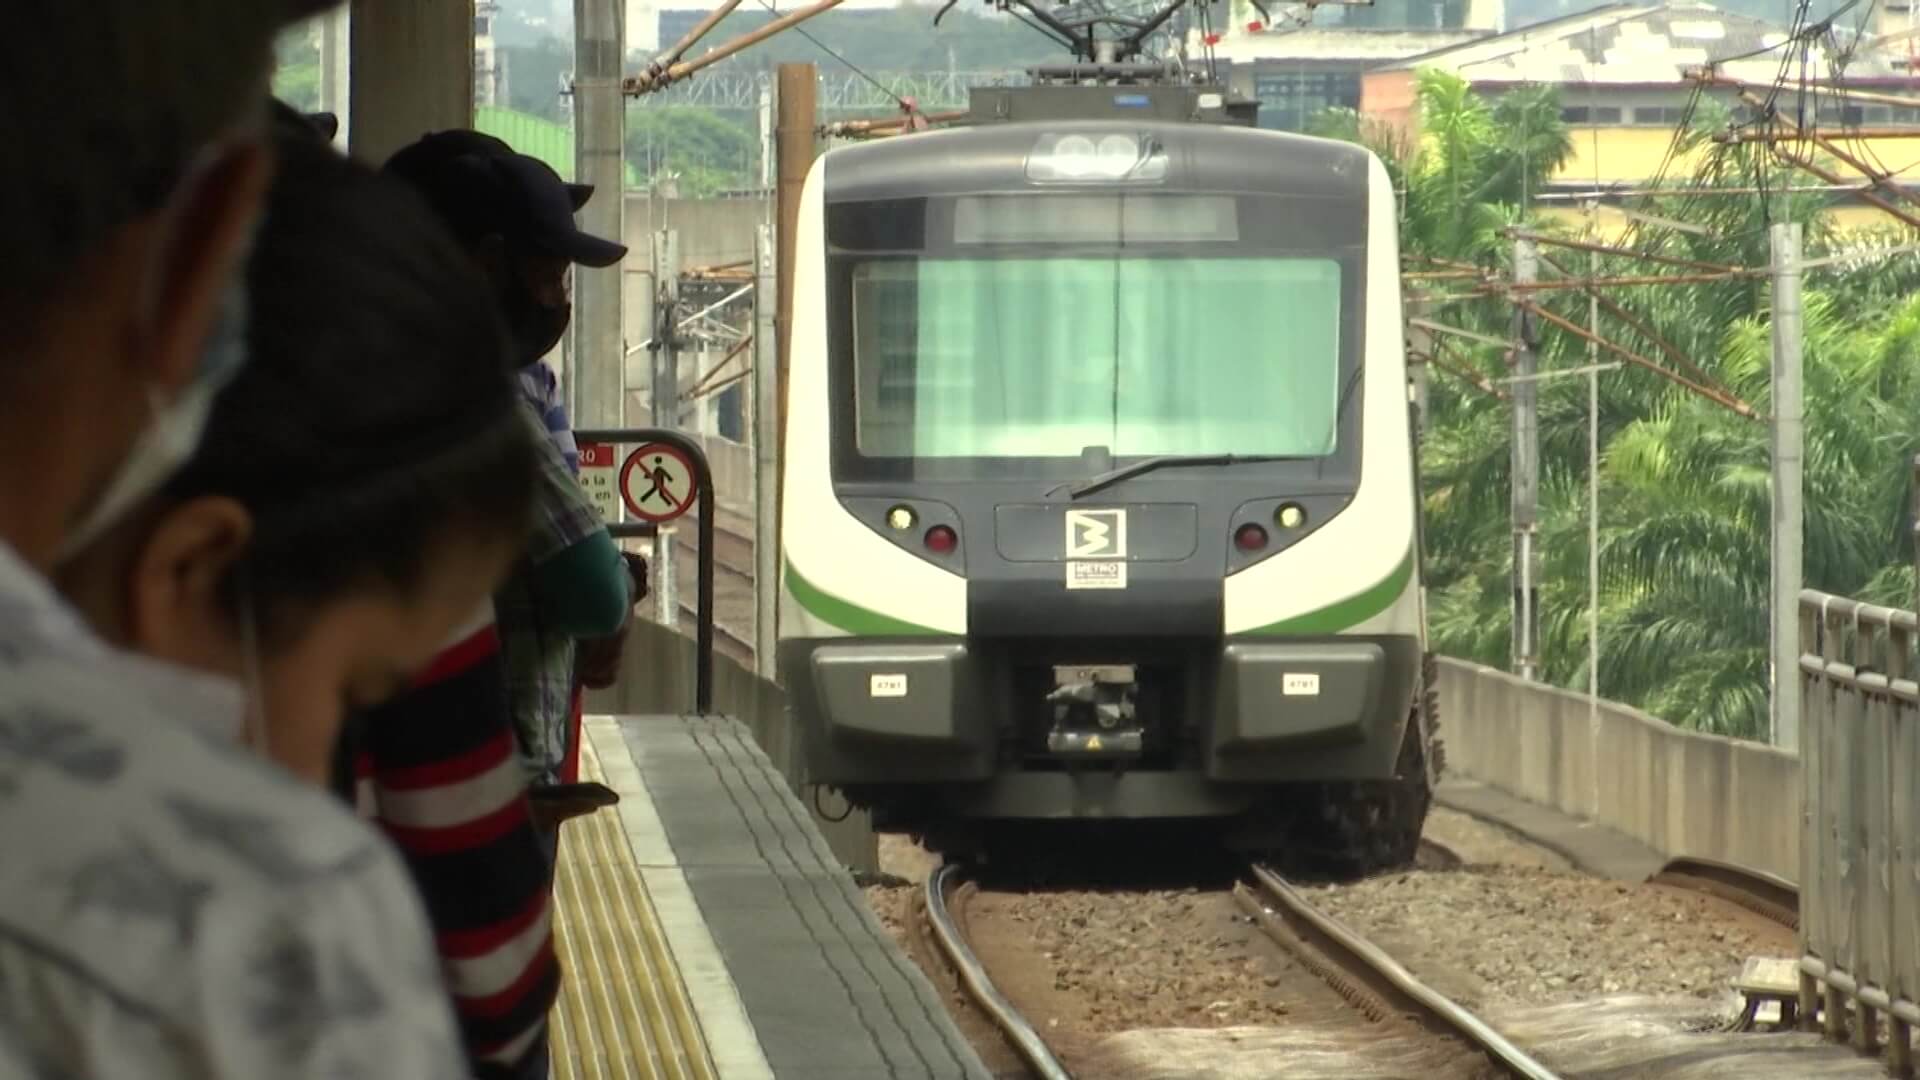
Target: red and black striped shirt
(436, 767)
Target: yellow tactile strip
(624, 1011)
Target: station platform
(707, 932)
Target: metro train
(1100, 479)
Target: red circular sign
(669, 484)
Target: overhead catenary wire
(850, 65)
(1671, 351)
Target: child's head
(363, 483)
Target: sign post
(658, 484)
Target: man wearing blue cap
(487, 888)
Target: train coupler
(1095, 713)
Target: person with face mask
(515, 220)
(355, 561)
(515, 217)
(172, 904)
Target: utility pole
(1593, 469)
(766, 133)
(333, 69)
(1787, 450)
(410, 71)
(597, 383)
(795, 139)
(665, 377)
(766, 459)
(1592, 372)
(1526, 472)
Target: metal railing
(1860, 822)
(703, 478)
(1913, 529)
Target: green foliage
(534, 75)
(702, 150)
(1684, 480)
(296, 72)
(298, 86)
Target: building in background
(489, 60)
(1621, 70)
(1297, 71)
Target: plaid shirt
(542, 391)
(540, 662)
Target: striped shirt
(437, 769)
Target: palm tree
(1685, 481)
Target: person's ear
(198, 242)
(495, 261)
(175, 609)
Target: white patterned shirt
(172, 906)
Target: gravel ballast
(1529, 935)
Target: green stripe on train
(848, 616)
(1350, 612)
(1331, 619)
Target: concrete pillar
(597, 377)
(333, 71)
(411, 72)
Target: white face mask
(170, 439)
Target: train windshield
(1043, 327)
(1040, 357)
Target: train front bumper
(1242, 711)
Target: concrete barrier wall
(732, 465)
(1678, 792)
(657, 677)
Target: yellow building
(1623, 73)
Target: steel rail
(974, 976)
(1436, 1007)
(1758, 891)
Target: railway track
(941, 885)
(1365, 976)
(733, 567)
(1370, 979)
(1756, 890)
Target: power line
(851, 66)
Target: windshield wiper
(1077, 488)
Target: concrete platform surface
(1597, 849)
(787, 969)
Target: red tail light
(1250, 537)
(942, 540)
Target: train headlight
(1115, 154)
(1111, 157)
(900, 518)
(1290, 516)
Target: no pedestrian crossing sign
(657, 483)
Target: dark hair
(377, 415)
(106, 102)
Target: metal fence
(1860, 822)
